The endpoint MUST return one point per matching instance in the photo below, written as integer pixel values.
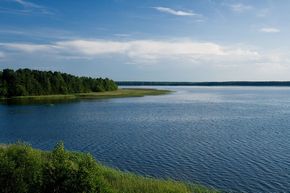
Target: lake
(232, 138)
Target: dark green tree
(23, 82)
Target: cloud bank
(146, 51)
(184, 56)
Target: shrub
(25, 170)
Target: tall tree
(24, 82)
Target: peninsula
(25, 85)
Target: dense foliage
(24, 82)
(27, 170)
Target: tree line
(26, 82)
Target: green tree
(24, 82)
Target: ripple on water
(236, 139)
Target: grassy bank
(134, 92)
(24, 170)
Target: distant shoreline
(226, 83)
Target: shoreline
(120, 93)
(72, 163)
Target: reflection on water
(233, 138)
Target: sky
(149, 40)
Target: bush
(21, 169)
(25, 170)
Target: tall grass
(130, 183)
(120, 93)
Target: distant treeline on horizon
(227, 83)
(24, 82)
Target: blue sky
(160, 40)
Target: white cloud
(185, 56)
(132, 47)
(139, 51)
(29, 48)
(175, 12)
(240, 7)
(92, 47)
(27, 8)
(27, 4)
(270, 30)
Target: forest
(27, 82)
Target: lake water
(231, 138)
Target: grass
(123, 182)
(120, 93)
(25, 169)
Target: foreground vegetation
(26, 82)
(27, 170)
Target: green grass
(25, 170)
(123, 182)
(120, 93)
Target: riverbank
(24, 169)
(120, 93)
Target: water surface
(231, 138)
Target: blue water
(231, 138)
